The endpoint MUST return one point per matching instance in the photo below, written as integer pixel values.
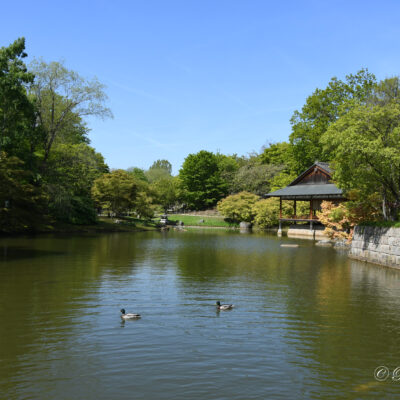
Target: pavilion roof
(304, 188)
(306, 192)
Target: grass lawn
(193, 220)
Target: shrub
(238, 207)
(340, 220)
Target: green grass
(193, 220)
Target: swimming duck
(128, 316)
(224, 307)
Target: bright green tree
(62, 97)
(322, 109)
(238, 207)
(116, 191)
(72, 170)
(365, 143)
(201, 180)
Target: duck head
(218, 303)
(123, 310)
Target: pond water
(308, 324)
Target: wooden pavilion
(313, 185)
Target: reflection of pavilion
(313, 185)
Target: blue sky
(218, 75)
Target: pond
(308, 323)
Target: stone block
(394, 250)
(383, 248)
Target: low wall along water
(376, 245)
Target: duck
(128, 316)
(224, 307)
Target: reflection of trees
(340, 317)
(345, 319)
(46, 283)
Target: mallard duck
(128, 316)
(224, 307)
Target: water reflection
(305, 316)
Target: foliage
(138, 173)
(201, 180)
(21, 204)
(340, 220)
(162, 164)
(322, 109)
(228, 167)
(160, 170)
(116, 191)
(62, 96)
(255, 178)
(16, 110)
(166, 192)
(69, 179)
(277, 153)
(238, 207)
(266, 211)
(145, 202)
(366, 147)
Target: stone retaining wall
(376, 245)
(304, 231)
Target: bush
(340, 220)
(238, 207)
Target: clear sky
(219, 75)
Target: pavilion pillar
(280, 217)
(295, 211)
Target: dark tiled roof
(315, 191)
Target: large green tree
(201, 180)
(62, 99)
(116, 191)
(365, 144)
(255, 177)
(17, 119)
(323, 108)
(72, 170)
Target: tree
(160, 169)
(116, 191)
(238, 207)
(277, 154)
(255, 178)
(138, 173)
(69, 179)
(340, 219)
(228, 167)
(16, 110)
(166, 191)
(61, 96)
(201, 180)
(366, 147)
(323, 108)
(22, 205)
(162, 164)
